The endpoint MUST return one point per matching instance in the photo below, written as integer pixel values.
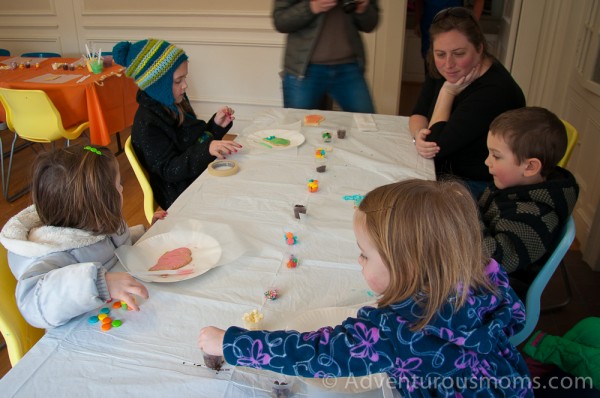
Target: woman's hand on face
(221, 148)
(224, 116)
(462, 83)
(424, 148)
(210, 340)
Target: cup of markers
(96, 66)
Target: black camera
(349, 6)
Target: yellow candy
(102, 316)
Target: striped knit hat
(151, 63)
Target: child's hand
(224, 116)
(122, 286)
(158, 215)
(220, 148)
(210, 340)
(462, 83)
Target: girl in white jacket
(61, 247)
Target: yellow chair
(32, 116)
(142, 177)
(18, 334)
(572, 136)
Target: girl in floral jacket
(444, 314)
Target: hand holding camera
(349, 6)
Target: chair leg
(119, 145)
(569, 292)
(23, 191)
(2, 163)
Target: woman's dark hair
(461, 20)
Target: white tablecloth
(154, 352)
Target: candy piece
(102, 316)
(327, 136)
(107, 320)
(105, 310)
(322, 168)
(290, 238)
(93, 319)
(292, 262)
(313, 185)
(116, 323)
(272, 294)
(320, 153)
(106, 327)
(124, 306)
(173, 259)
(116, 304)
(341, 134)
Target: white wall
(235, 53)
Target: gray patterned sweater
(522, 224)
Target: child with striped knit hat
(173, 145)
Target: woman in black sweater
(468, 88)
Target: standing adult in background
(425, 10)
(324, 52)
(468, 89)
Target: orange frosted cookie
(313, 120)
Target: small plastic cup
(107, 61)
(215, 362)
(96, 66)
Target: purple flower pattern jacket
(464, 353)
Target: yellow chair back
(572, 136)
(18, 334)
(34, 117)
(142, 177)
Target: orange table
(106, 100)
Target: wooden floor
(584, 282)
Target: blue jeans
(345, 83)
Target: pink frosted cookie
(173, 259)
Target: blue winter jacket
(460, 353)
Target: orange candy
(106, 326)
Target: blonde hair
(428, 236)
(74, 187)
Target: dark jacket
(295, 18)
(173, 155)
(463, 138)
(522, 224)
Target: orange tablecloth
(106, 100)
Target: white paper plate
(206, 252)
(256, 139)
